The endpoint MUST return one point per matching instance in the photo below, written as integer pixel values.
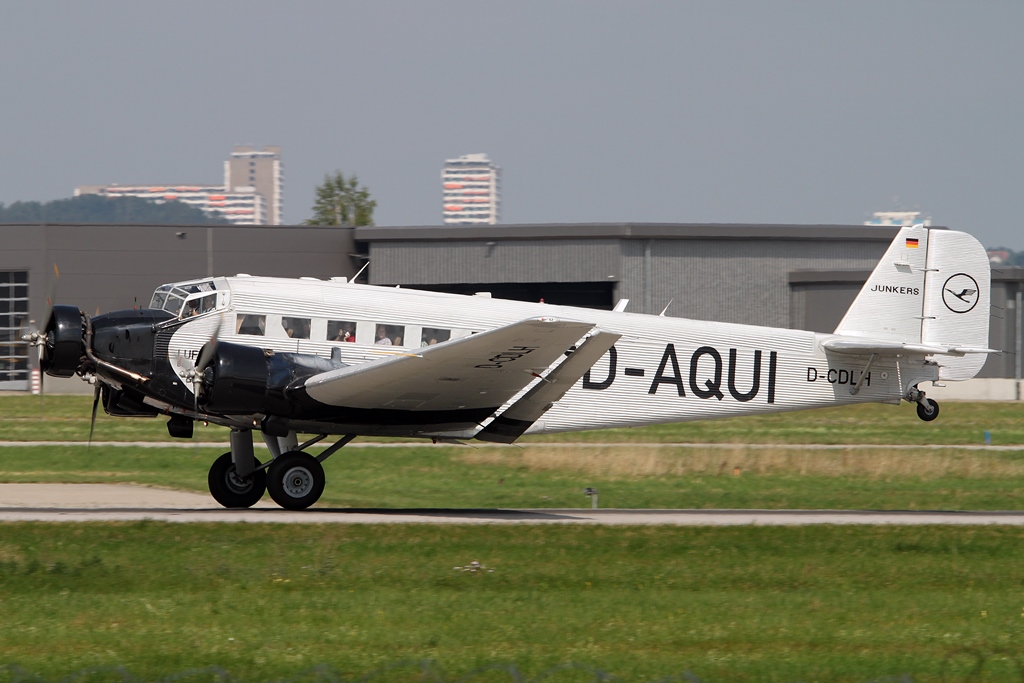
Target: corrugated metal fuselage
(662, 369)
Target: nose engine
(120, 343)
(63, 342)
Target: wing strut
(514, 421)
(855, 389)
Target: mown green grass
(66, 418)
(442, 478)
(728, 604)
(482, 477)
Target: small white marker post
(592, 492)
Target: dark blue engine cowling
(64, 345)
(245, 380)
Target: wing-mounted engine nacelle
(63, 344)
(244, 380)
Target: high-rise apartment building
(471, 191)
(261, 170)
(251, 194)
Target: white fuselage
(661, 370)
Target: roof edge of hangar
(552, 231)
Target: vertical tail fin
(931, 287)
(957, 300)
(889, 305)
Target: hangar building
(793, 276)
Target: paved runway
(117, 502)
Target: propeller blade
(92, 421)
(209, 348)
(206, 356)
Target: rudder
(957, 300)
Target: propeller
(206, 356)
(37, 338)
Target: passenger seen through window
(296, 328)
(341, 330)
(389, 335)
(433, 335)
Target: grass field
(630, 468)
(555, 477)
(266, 602)
(737, 604)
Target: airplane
(330, 358)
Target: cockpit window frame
(173, 297)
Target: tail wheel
(296, 480)
(927, 410)
(231, 490)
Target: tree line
(93, 208)
(340, 201)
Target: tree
(340, 201)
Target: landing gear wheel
(928, 411)
(296, 480)
(231, 490)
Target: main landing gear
(295, 479)
(233, 491)
(927, 409)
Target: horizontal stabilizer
(862, 347)
(521, 415)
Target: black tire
(230, 490)
(296, 480)
(928, 413)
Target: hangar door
(13, 323)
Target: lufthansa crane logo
(960, 293)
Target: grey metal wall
(741, 281)
(707, 279)
(476, 261)
(1003, 323)
(112, 266)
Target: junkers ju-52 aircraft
(304, 356)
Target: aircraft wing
(480, 371)
(863, 347)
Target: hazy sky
(717, 111)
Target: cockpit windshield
(202, 297)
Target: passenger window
(389, 335)
(341, 330)
(434, 335)
(251, 324)
(296, 328)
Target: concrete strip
(114, 502)
(106, 496)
